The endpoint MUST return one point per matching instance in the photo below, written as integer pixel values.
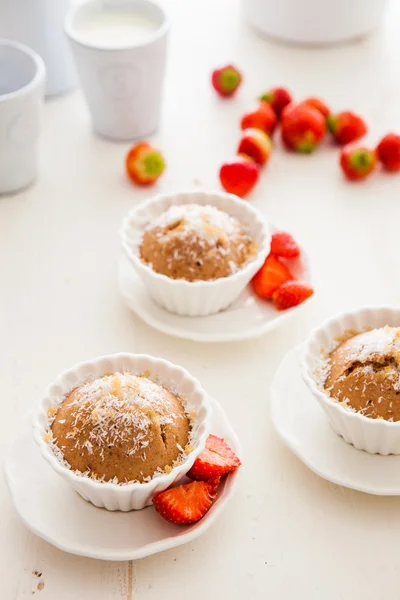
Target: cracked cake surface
(196, 242)
(363, 373)
(120, 428)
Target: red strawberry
(256, 144)
(278, 98)
(239, 176)
(287, 109)
(226, 80)
(144, 164)
(346, 127)
(357, 162)
(303, 128)
(271, 275)
(318, 105)
(215, 460)
(291, 293)
(263, 118)
(186, 503)
(388, 151)
(283, 244)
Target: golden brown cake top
(196, 242)
(363, 373)
(120, 428)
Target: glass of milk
(119, 48)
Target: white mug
(120, 54)
(39, 24)
(22, 82)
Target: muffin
(196, 243)
(120, 428)
(363, 373)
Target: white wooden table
(287, 534)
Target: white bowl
(131, 496)
(375, 436)
(315, 21)
(195, 298)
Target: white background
(286, 534)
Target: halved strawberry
(271, 275)
(144, 163)
(239, 176)
(186, 503)
(291, 293)
(283, 244)
(215, 460)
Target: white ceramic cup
(122, 80)
(22, 82)
(315, 21)
(39, 24)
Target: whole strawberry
(144, 164)
(357, 162)
(278, 98)
(291, 293)
(256, 144)
(239, 176)
(226, 80)
(346, 127)
(319, 105)
(388, 151)
(263, 117)
(302, 128)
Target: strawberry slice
(283, 244)
(215, 460)
(271, 275)
(291, 293)
(186, 503)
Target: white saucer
(305, 429)
(246, 318)
(54, 512)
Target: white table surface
(287, 534)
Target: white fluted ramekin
(375, 436)
(195, 298)
(130, 496)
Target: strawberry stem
(361, 159)
(229, 79)
(154, 164)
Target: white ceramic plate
(305, 429)
(52, 510)
(246, 318)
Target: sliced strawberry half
(291, 293)
(186, 503)
(216, 459)
(271, 275)
(284, 245)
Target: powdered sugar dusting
(377, 342)
(206, 221)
